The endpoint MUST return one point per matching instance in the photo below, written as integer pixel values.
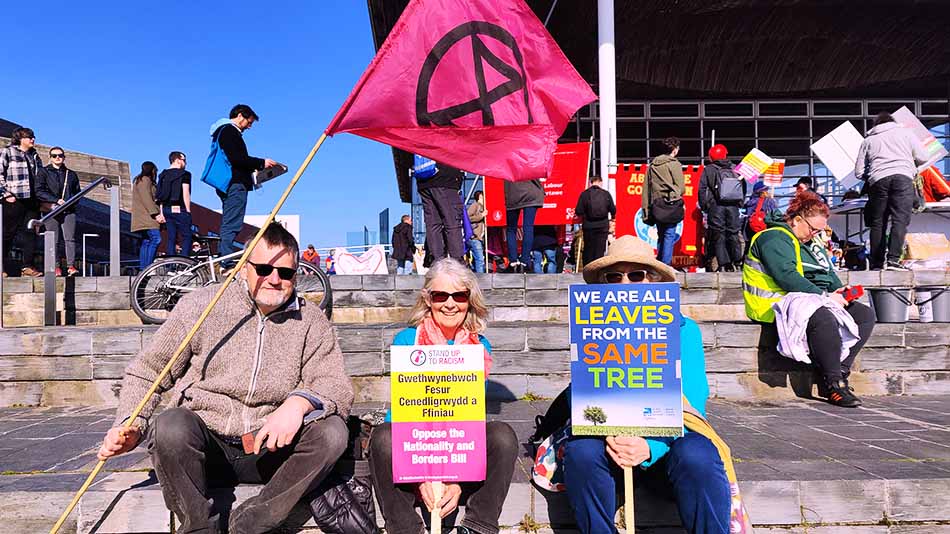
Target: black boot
(841, 394)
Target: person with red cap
(721, 193)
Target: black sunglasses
(57, 155)
(264, 270)
(442, 296)
(615, 277)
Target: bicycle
(158, 288)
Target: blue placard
(625, 360)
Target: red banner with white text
(629, 182)
(561, 190)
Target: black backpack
(730, 187)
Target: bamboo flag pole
(201, 319)
(435, 522)
(628, 499)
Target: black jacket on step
(242, 165)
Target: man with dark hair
(20, 168)
(265, 402)
(404, 245)
(173, 195)
(888, 161)
(664, 186)
(229, 133)
(595, 208)
(57, 185)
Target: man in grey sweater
(888, 161)
(258, 396)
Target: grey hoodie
(889, 149)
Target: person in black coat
(53, 188)
(596, 208)
(404, 246)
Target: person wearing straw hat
(693, 468)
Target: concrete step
(803, 466)
(84, 365)
(382, 299)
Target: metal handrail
(69, 203)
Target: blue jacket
(695, 383)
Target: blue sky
(134, 80)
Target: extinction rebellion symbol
(515, 76)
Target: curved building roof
(7, 127)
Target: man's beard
(272, 298)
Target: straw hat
(628, 249)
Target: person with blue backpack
(229, 170)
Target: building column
(607, 87)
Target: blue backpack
(217, 171)
(423, 167)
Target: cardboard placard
(625, 360)
(438, 413)
(838, 151)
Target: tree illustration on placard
(595, 414)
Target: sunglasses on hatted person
(264, 270)
(615, 277)
(442, 296)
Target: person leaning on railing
(450, 310)
(787, 257)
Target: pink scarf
(429, 333)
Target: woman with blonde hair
(450, 310)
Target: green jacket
(777, 253)
(664, 179)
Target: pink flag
(477, 84)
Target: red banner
(629, 183)
(561, 190)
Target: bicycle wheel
(314, 285)
(153, 295)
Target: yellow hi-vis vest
(759, 290)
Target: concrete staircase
(803, 466)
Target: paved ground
(48, 450)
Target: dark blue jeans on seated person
(691, 473)
(177, 224)
(233, 207)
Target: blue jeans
(666, 238)
(478, 254)
(527, 240)
(550, 266)
(233, 207)
(149, 246)
(692, 473)
(403, 266)
(177, 224)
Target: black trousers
(15, 217)
(595, 243)
(483, 500)
(890, 199)
(189, 458)
(724, 225)
(442, 208)
(824, 340)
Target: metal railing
(49, 243)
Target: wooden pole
(436, 517)
(628, 499)
(194, 329)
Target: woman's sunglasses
(615, 277)
(264, 270)
(441, 296)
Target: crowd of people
(30, 189)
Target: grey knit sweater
(240, 366)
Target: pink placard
(447, 451)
